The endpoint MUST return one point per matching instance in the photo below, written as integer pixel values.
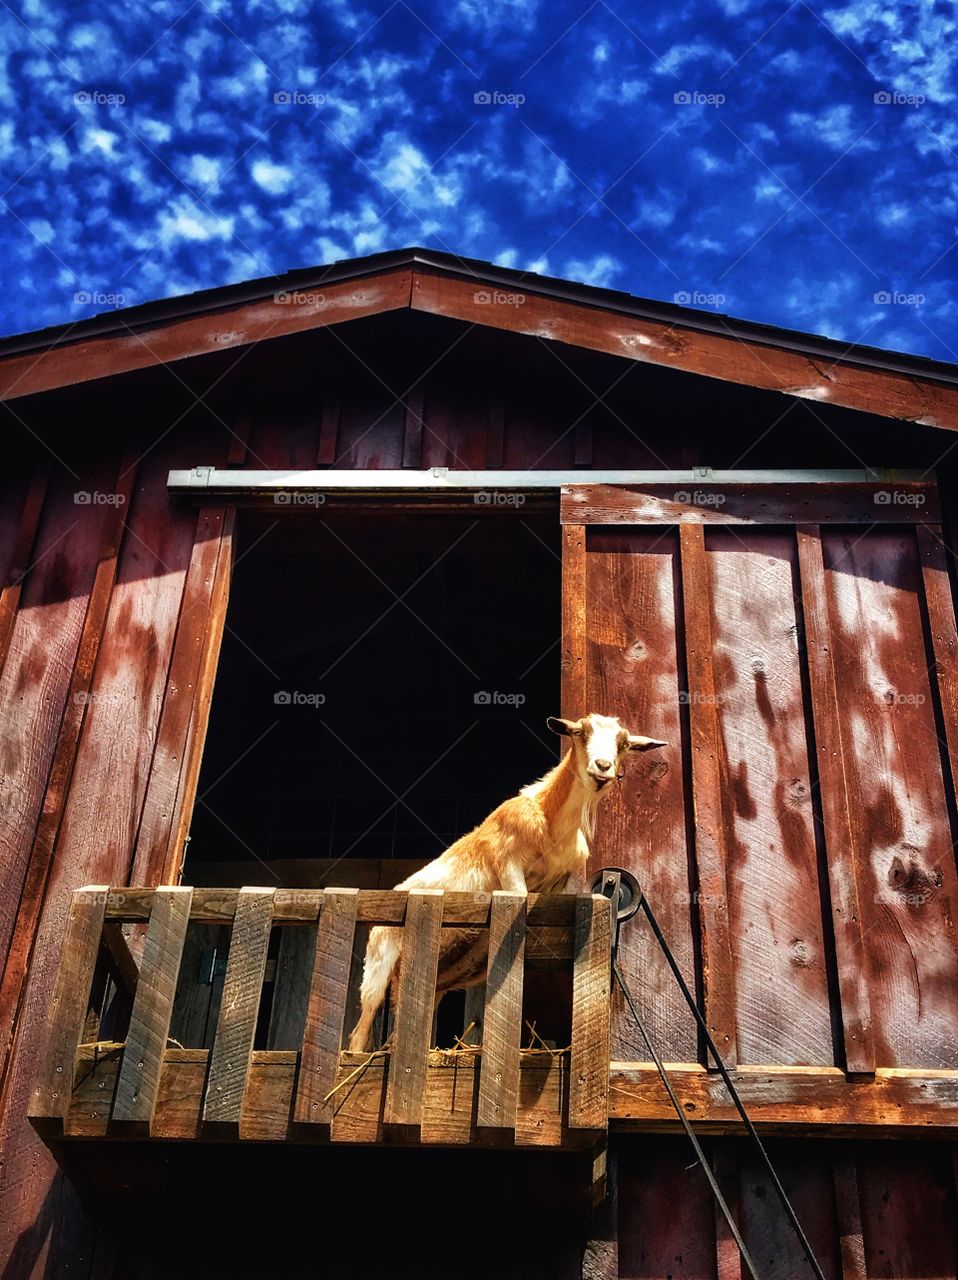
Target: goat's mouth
(601, 782)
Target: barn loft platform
(140, 1083)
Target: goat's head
(599, 746)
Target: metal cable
(733, 1093)
(706, 1167)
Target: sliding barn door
(795, 645)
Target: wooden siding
(698, 637)
(106, 623)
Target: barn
(291, 575)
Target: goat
(533, 843)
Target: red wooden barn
(291, 575)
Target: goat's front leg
(512, 878)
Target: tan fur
(533, 843)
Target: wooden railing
(143, 1084)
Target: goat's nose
(604, 765)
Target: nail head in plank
(709, 794)
(419, 964)
(502, 1021)
(236, 1027)
(326, 1010)
(68, 1007)
(139, 1082)
(840, 834)
(591, 1014)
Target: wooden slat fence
(409, 1092)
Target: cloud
(201, 176)
(836, 127)
(273, 178)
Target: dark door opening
(383, 684)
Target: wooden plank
(136, 1091)
(600, 1256)
(152, 853)
(582, 443)
(239, 440)
(840, 832)
(326, 1012)
(123, 966)
(180, 339)
(676, 344)
(908, 883)
(817, 1103)
(908, 1214)
(773, 1243)
(502, 1019)
(709, 795)
(44, 690)
(294, 968)
(574, 613)
(591, 991)
(413, 426)
(21, 557)
(790, 1100)
(448, 1115)
(496, 432)
(328, 431)
(665, 1213)
(376, 906)
(68, 1009)
(202, 700)
(634, 655)
(416, 997)
(778, 503)
(11, 588)
(782, 1006)
(728, 1259)
(849, 1218)
(229, 1062)
(939, 614)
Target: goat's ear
(567, 727)
(638, 743)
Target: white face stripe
(602, 743)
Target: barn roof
(885, 383)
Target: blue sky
(780, 162)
